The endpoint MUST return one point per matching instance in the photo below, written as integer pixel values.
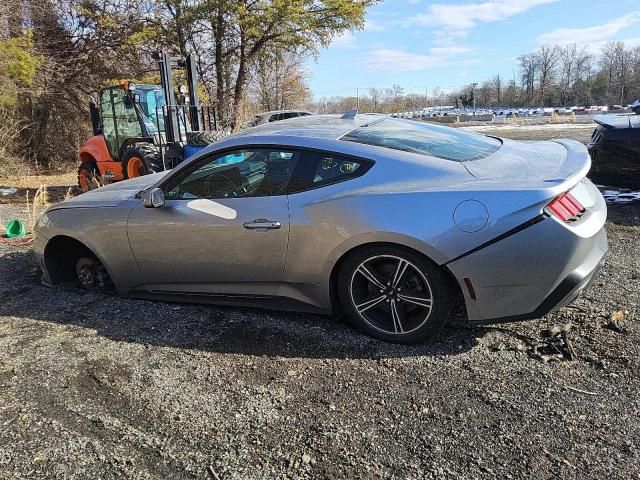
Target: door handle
(261, 223)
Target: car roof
(272, 112)
(327, 127)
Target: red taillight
(566, 208)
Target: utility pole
(473, 94)
(357, 99)
(426, 95)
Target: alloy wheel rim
(135, 167)
(391, 294)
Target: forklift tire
(88, 177)
(202, 138)
(140, 159)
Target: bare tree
(546, 60)
(528, 70)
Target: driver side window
(240, 173)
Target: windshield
(151, 103)
(424, 138)
(150, 100)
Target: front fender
(110, 245)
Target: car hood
(111, 195)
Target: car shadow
(205, 328)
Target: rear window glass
(425, 138)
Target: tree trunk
(218, 34)
(238, 92)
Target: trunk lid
(549, 162)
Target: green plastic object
(15, 229)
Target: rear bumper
(566, 292)
(537, 270)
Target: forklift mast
(174, 150)
(194, 99)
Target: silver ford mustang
(391, 222)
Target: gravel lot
(93, 386)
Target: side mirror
(153, 198)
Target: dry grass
(555, 118)
(36, 181)
(36, 206)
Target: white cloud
(451, 16)
(595, 48)
(589, 35)
(373, 26)
(396, 60)
(345, 40)
(391, 60)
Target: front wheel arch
(60, 256)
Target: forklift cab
(142, 129)
(134, 113)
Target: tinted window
(332, 167)
(242, 173)
(316, 169)
(424, 138)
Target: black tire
(636, 110)
(421, 298)
(202, 138)
(147, 152)
(88, 177)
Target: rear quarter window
(317, 169)
(424, 138)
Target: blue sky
(446, 44)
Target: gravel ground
(93, 386)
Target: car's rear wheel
(394, 294)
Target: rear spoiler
(577, 164)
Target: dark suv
(615, 150)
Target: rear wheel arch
(333, 277)
(86, 157)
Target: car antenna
(350, 115)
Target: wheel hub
(86, 277)
(391, 293)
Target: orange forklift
(136, 131)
